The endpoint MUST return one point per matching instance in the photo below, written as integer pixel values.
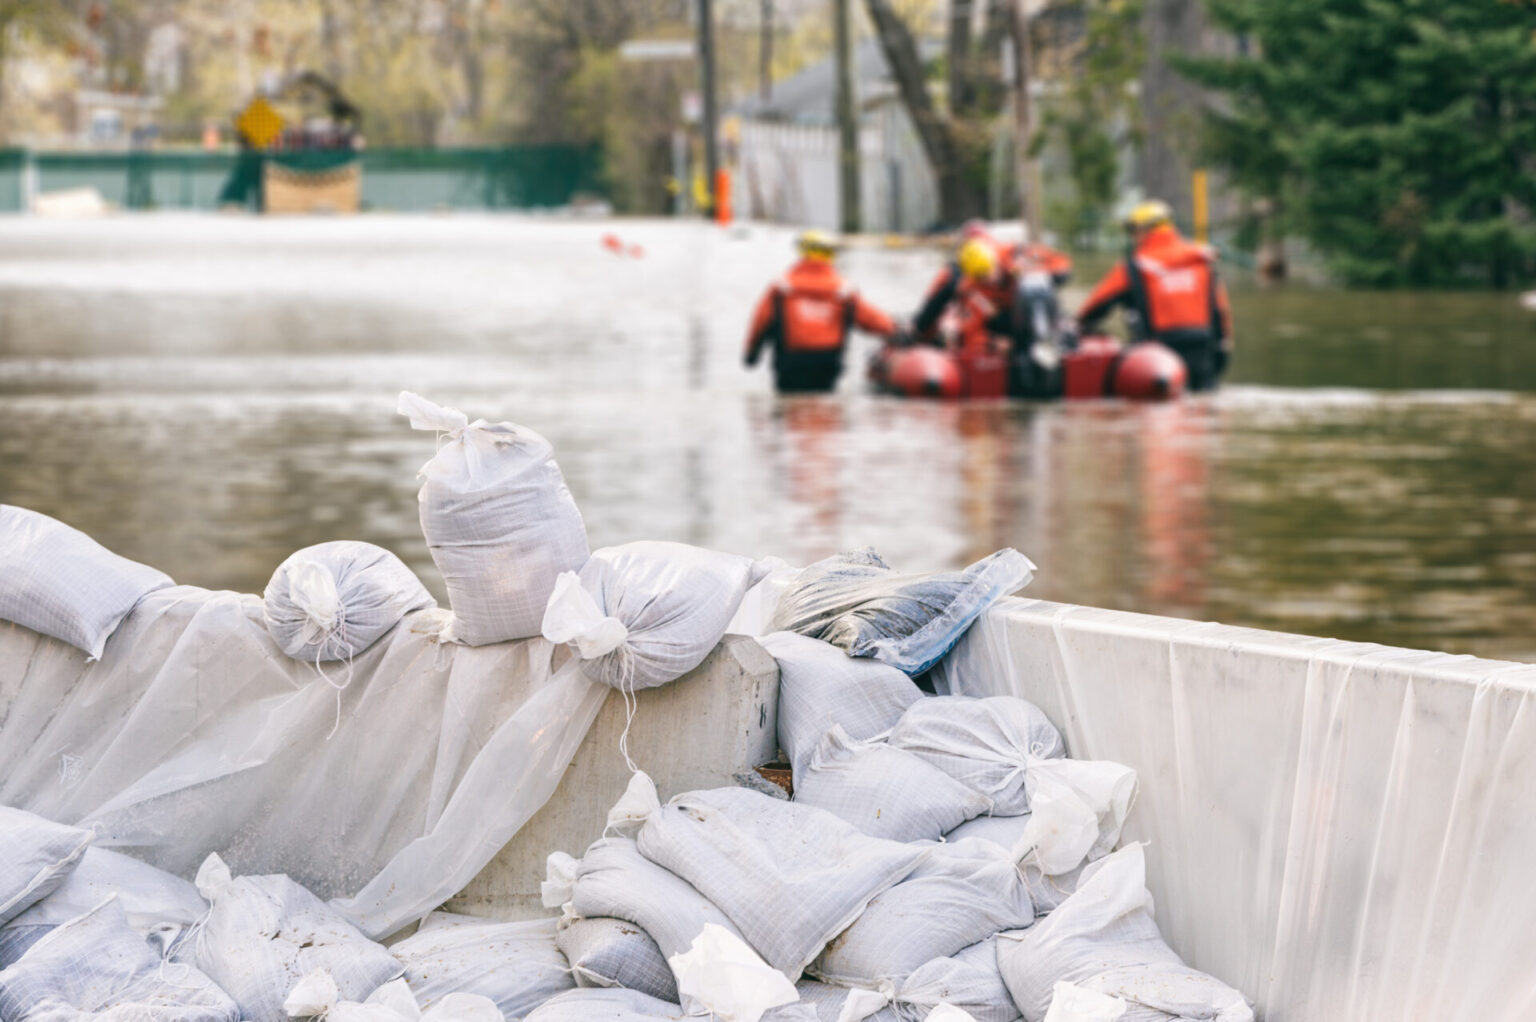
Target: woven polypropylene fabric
(968, 979)
(36, 855)
(596, 1004)
(962, 893)
(265, 933)
(616, 953)
(790, 877)
(885, 791)
(983, 743)
(517, 965)
(1103, 938)
(58, 581)
(96, 966)
(820, 685)
(501, 526)
(1047, 892)
(614, 880)
(374, 588)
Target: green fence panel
(510, 177)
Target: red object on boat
(917, 372)
(982, 373)
(1101, 366)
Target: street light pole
(1025, 170)
(711, 113)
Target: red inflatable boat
(1099, 366)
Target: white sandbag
(645, 614)
(948, 1013)
(790, 877)
(1079, 809)
(16, 940)
(58, 581)
(516, 965)
(150, 898)
(1045, 890)
(615, 880)
(614, 1004)
(1104, 939)
(316, 996)
(606, 952)
(36, 855)
(498, 519)
(961, 893)
(820, 685)
(265, 933)
(968, 979)
(720, 976)
(98, 967)
(983, 743)
(841, 1004)
(884, 791)
(331, 601)
(758, 605)
(1071, 1003)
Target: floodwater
(208, 394)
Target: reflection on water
(209, 395)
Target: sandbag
(820, 685)
(645, 614)
(985, 744)
(331, 601)
(968, 980)
(789, 876)
(58, 581)
(316, 996)
(265, 933)
(884, 791)
(1006, 832)
(961, 893)
(16, 940)
(516, 965)
(1078, 808)
(1104, 939)
(97, 966)
(858, 603)
(606, 952)
(616, 1004)
(36, 855)
(613, 879)
(151, 899)
(1071, 1003)
(719, 976)
(498, 519)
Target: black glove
(1068, 336)
(750, 358)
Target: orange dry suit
(1171, 286)
(806, 316)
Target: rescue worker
(806, 317)
(1171, 292)
(986, 281)
(979, 286)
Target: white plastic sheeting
(202, 736)
(1339, 830)
(36, 855)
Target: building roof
(809, 97)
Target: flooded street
(208, 394)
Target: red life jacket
(814, 307)
(1173, 284)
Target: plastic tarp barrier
(1339, 830)
(200, 736)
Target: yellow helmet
(814, 244)
(1147, 215)
(977, 259)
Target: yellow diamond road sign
(259, 123)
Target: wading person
(806, 317)
(1169, 288)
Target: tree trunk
(850, 215)
(960, 79)
(1171, 104)
(957, 200)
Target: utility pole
(1023, 123)
(847, 122)
(711, 112)
(765, 52)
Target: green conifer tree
(1398, 136)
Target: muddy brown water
(208, 394)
